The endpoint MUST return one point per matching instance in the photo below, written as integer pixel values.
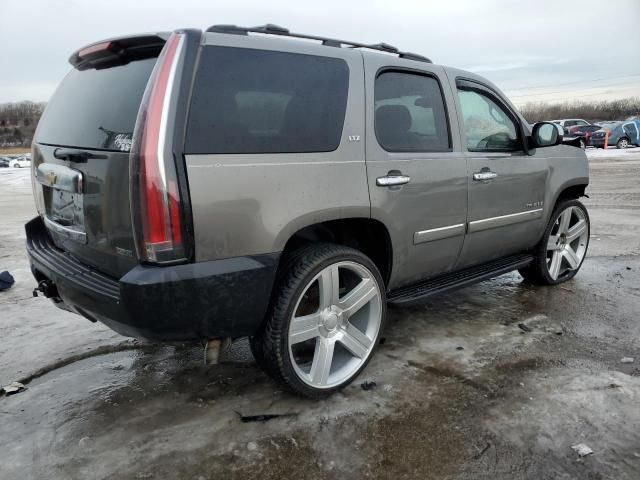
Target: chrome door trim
(68, 232)
(503, 220)
(438, 233)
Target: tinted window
(409, 113)
(96, 108)
(487, 125)
(258, 101)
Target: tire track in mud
(96, 352)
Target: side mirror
(546, 134)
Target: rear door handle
(484, 175)
(392, 180)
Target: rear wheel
(622, 143)
(560, 253)
(324, 321)
(16, 165)
(583, 144)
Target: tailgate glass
(96, 108)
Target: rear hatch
(82, 152)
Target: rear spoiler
(119, 51)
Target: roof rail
(270, 29)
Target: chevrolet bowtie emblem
(51, 177)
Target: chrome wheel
(567, 242)
(335, 324)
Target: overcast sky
(547, 50)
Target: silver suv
(241, 182)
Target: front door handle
(392, 179)
(484, 175)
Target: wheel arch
(571, 191)
(367, 235)
(623, 137)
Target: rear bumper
(181, 302)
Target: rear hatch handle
(73, 155)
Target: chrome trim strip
(438, 233)
(65, 231)
(309, 163)
(503, 220)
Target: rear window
(409, 113)
(258, 101)
(96, 109)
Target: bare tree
(591, 111)
(18, 122)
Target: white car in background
(20, 162)
(571, 122)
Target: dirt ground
(462, 391)
(12, 151)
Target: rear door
(506, 185)
(416, 172)
(81, 161)
(632, 131)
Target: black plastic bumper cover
(181, 302)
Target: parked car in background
(4, 162)
(632, 130)
(584, 132)
(571, 122)
(569, 138)
(20, 162)
(621, 134)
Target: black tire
(17, 166)
(583, 144)
(538, 272)
(270, 346)
(619, 143)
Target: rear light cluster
(156, 202)
(94, 49)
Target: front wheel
(17, 165)
(622, 143)
(324, 321)
(560, 253)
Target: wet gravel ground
(463, 390)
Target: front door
(506, 185)
(416, 171)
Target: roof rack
(270, 29)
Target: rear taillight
(156, 202)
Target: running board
(454, 280)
